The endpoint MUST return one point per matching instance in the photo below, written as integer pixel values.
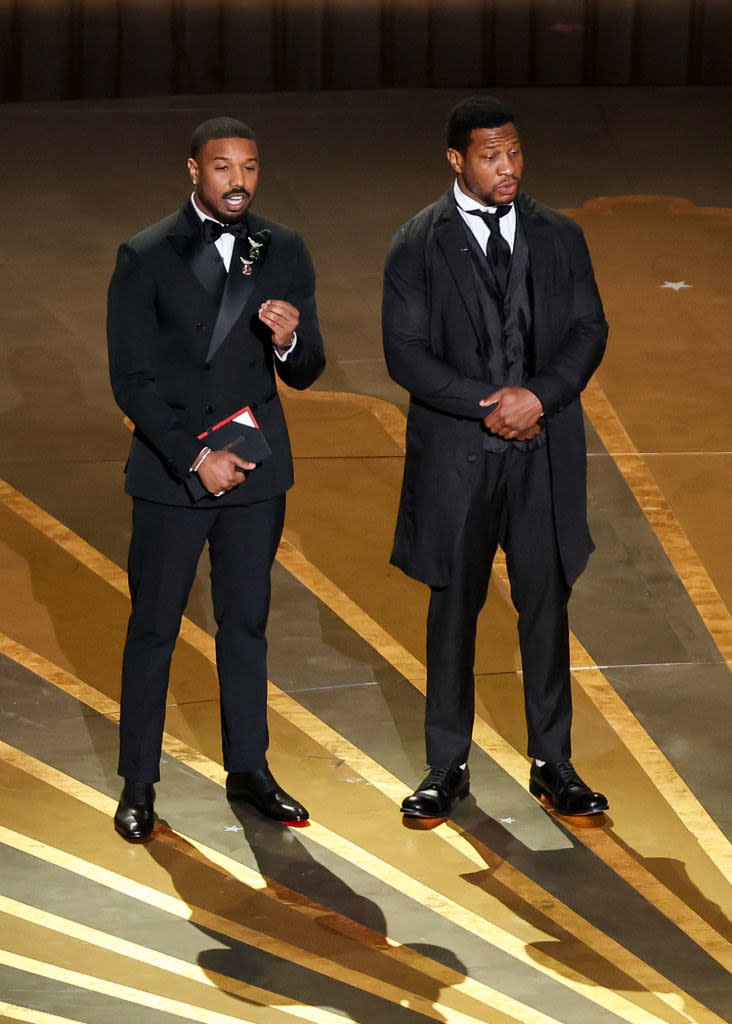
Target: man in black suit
(493, 323)
(205, 307)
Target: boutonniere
(258, 244)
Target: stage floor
(504, 913)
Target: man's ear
(455, 159)
(193, 170)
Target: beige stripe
(657, 767)
(659, 513)
(63, 537)
(390, 649)
(453, 982)
(629, 730)
(386, 413)
(525, 953)
(172, 965)
(224, 926)
(205, 642)
(25, 1013)
(519, 883)
(116, 991)
(690, 570)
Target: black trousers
(166, 545)
(513, 508)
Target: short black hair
(219, 128)
(475, 112)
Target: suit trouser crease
(165, 548)
(513, 508)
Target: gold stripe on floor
(29, 1016)
(699, 930)
(629, 730)
(660, 515)
(304, 958)
(390, 649)
(387, 874)
(136, 996)
(451, 980)
(205, 643)
(174, 965)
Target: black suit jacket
(164, 310)
(434, 337)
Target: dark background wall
(70, 49)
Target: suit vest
(507, 342)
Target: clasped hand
(222, 471)
(516, 416)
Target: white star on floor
(676, 285)
(507, 821)
(233, 828)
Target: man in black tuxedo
(205, 307)
(493, 323)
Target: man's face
(490, 169)
(225, 175)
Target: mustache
(237, 192)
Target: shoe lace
(566, 772)
(436, 777)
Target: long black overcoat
(434, 338)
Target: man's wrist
(200, 459)
(286, 346)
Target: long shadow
(592, 889)
(306, 905)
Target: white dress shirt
(478, 226)
(225, 245)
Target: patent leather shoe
(436, 793)
(135, 816)
(260, 789)
(561, 786)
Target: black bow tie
(212, 230)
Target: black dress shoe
(135, 817)
(434, 796)
(560, 784)
(261, 790)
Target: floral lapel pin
(258, 244)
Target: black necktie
(498, 250)
(212, 230)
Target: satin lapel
(203, 259)
(207, 265)
(239, 287)
(450, 235)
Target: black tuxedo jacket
(182, 357)
(434, 342)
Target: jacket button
(471, 457)
(252, 362)
(201, 328)
(208, 409)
